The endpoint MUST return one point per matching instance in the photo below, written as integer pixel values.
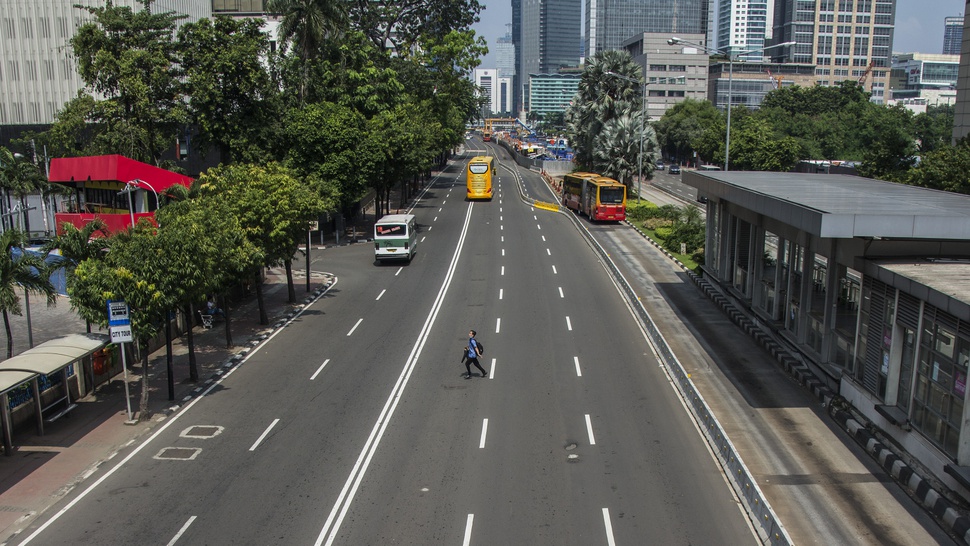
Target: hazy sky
(919, 24)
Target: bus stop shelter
(46, 359)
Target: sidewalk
(45, 468)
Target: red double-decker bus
(596, 196)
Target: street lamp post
(730, 57)
(135, 183)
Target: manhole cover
(201, 431)
(178, 453)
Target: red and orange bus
(598, 197)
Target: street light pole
(730, 58)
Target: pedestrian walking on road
(470, 356)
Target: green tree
(934, 128)
(20, 270)
(130, 58)
(309, 25)
(946, 168)
(680, 129)
(891, 148)
(601, 97)
(617, 152)
(754, 147)
(231, 92)
(273, 208)
(393, 25)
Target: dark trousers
(468, 365)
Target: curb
(949, 517)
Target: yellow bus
(478, 178)
(596, 196)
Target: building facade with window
(867, 281)
(552, 93)
(926, 76)
(38, 74)
(844, 39)
(609, 23)
(952, 35)
(742, 25)
(673, 72)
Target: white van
(395, 237)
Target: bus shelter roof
(13, 378)
(54, 355)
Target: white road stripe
(398, 272)
(320, 369)
(561, 295)
(554, 272)
(264, 434)
(491, 371)
(380, 295)
(435, 219)
(481, 442)
(468, 530)
(498, 325)
(503, 252)
(609, 527)
(538, 226)
(569, 324)
(501, 292)
(548, 252)
(340, 508)
(182, 531)
(543, 238)
(355, 326)
(589, 430)
(579, 372)
(503, 270)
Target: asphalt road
(353, 425)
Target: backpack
(481, 347)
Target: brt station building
(868, 282)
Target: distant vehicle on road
(708, 168)
(395, 236)
(598, 197)
(659, 166)
(674, 169)
(478, 183)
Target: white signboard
(121, 334)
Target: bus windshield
(611, 196)
(390, 230)
(478, 168)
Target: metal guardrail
(769, 526)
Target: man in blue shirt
(471, 356)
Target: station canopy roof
(52, 356)
(113, 168)
(842, 206)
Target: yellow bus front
(479, 178)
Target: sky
(919, 24)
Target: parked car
(674, 169)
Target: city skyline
(918, 25)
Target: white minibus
(395, 237)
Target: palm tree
(309, 24)
(27, 271)
(76, 245)
(18, 177)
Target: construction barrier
(546, 206)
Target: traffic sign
(118, 313)
(121, 334)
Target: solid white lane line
(380, 295)
(468, 530)
(182, 531)
(320, 369)
(355, 326)
(264, 434)
(501, 292)
(609, 527)
(579, 372)
(398, 272)
(491, 371)
(342, 505)
(498, 325)
(569, 324)
(560, 293)
(589, 430)
(481, 442)
(554, 272)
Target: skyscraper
(549, 38)
(743, 25)
(952, 35)
(610, 22)
(845, 40)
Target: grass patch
(684, 258)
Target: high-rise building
(550, 37)
(496, 89)
(743, 25)
(609, 23)
(517, 84)
(37, 71)
(961, 112)
(846, 40)
(505, 55)
(952, 35)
